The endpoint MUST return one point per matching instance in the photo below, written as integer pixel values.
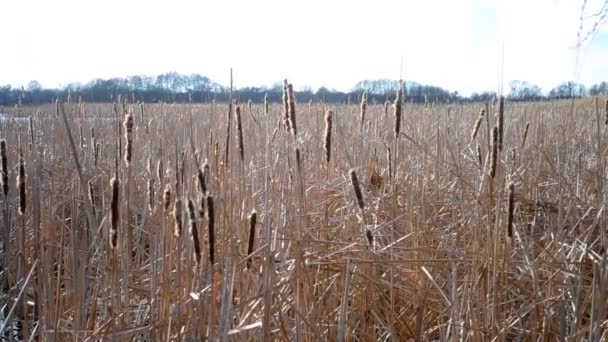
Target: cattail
(21, 181)
(477, 125)
(177, 216)
(501, 121)
(494, 148)
(479, 157)
(194, 232)
(114, 183)
(3, 167)
(31, 122)
(202, 187)
(397, 106)
(363, 107)
(96, 154)
(298, 163)
(167, 197)
(129, 138)
(606, 111)
(81, 137)
(523, 140)
(160, 171)
(386, 105)
(510, 206)
(91, 192)
(355, 182)
(285, 105)
(292, 109)
(327, 145)
(266, 107)
(151, 194)
(370, 237)
(239, 128)
(389, 157)
(211, 229)
(252, 222)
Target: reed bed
(422, 223)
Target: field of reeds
(304, 221)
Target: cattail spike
(328, 126)
(398, 109)
(357, 188)
(3, 167)
(129, 138)
(501, 122)
(114, 183)
(292, 109)
(494, 148)
(477, 125)
(252, 223)
(194, 232)
(21, 181)
(211, 229)
(363, 107)
(167, 197)
(511, 207)
(523, 140)
(239, 129)
(177, 216)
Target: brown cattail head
(177, 216)
(479, 157)
(167, 197)
(160, 171)
(81, 137)
(266, 107)
(389, 157)
(511, 207)
(386, 105)
(606, 111)
(298, 161)
(151, 194)
(252, 222)
(327, 144)
(91, 192)
(202, 186)
(523, 140)
(194, 232)
(363, 107)
(114, 214)
(285, 105)
(239, 129)
(292, 109)
(21, 181)
(211, 228)
(398, 109)
(370, 237)
(3, 167)
(129, 138)
(357, 188)
(494, 148)
(501, 121)
(477, 125)
(31, 122)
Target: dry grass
(442, 248)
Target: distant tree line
(175, 87)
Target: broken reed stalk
(211, 229)
(501, 122)
(494, 149)
(398, 109)
(363, 107)
(291, 101)
(114, 214)
(477, 125)
(252, 223)
(523, 140)
(327, 141)
(239, 129)
(510, 209)
(194, 233)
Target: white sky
(455, 44)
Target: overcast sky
(456, 44)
